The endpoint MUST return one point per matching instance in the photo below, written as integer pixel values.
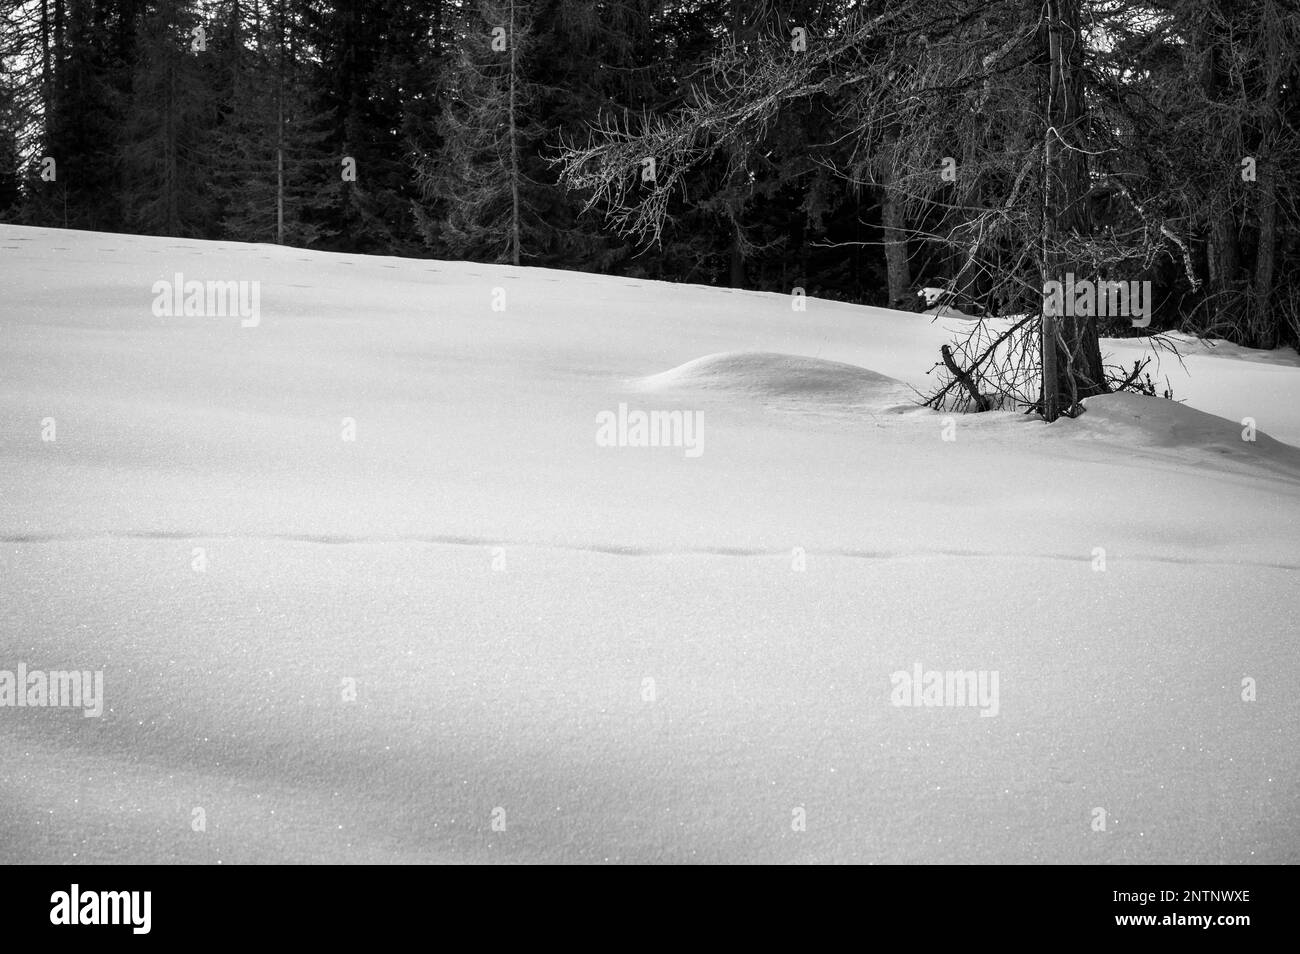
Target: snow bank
(1145, 422)
(469, 632)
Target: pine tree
(163, 158)
(368, 59)
(13, 116)
(486, 133)
(271, 167)
(84, 63)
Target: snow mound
(779, 377)
(1160, 423)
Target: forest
(856, 151)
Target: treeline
(854, 150)
(408, 127)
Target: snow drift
(779, 378)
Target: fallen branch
(937, 398)
(981, 402)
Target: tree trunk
(1221, 254)
(1265, 325)
(737, 277)
(893, 228)
(1221, 258)
(897, 268)
(47, 76)
(279, 177)
(514, 150)
(279, 132)
(1071, 349)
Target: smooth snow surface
(618, 653)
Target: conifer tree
(487, 133)
(271, 165)
(166, 135)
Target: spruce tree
(487, 133)
(166, 134)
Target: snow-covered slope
(568, 651)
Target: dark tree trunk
(1221, 254)
(898, 270)
(1265, 324)
(737, 276)
(1071, 349)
